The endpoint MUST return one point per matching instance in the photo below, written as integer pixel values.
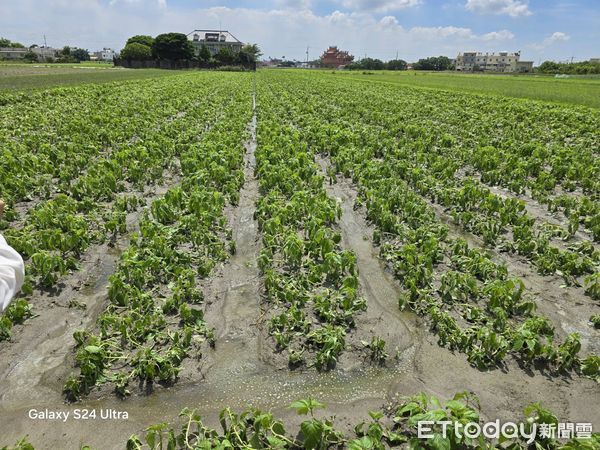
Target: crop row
(396, 426)
(154, 318)
(472, 302)
(311, 282)
(429, 159)
(87, 208)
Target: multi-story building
(492, 62)
(106, 54)
(333, 57)
(215, 40)
(44, 53)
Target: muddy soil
(567, 307)
(236, 373)
(536, 210)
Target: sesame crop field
(297, 259)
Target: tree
(140, 39)
(396, 64)
(434, 63)
(65, 56)
(136, 52)
(173, 46)
(249, 53)
(80, 54)
(30, 57)
(8, 43)
(367, 64)
(205, 54)
(579, 68)
(225, 56)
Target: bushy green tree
(65, 56)
(396, 64)
(8, 43)
(141, 39)
(576, 68)
(30, 57)
(367, 64)
(225, 56)
(249, 53)
(80, 54)
(136, 52)
(205, 54)
(172, 46)
(437, 63)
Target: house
(333, 57)
(13, 52)
(106, 54)
(44, 53)
(492, 62)
(215, 40)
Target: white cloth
(12, 273)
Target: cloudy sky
(541, 29)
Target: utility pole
(45, 45)
(307, 48)
(396, 55)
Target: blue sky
(556, 30)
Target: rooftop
(212, 36)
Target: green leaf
(312, 432)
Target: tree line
(436, 63)
(177, 47)
(576, 68)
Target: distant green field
(578, 91)
(41, 76)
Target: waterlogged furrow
(311, 283)
(472, 303)
(154, 318)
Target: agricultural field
(27, 77)
(297, 259)
(575, 90)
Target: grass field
(41, 76)
(577, 91)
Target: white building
(214, 40)
(492, 62)
(106, 54)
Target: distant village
(332, 58)
(12, 51)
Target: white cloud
(160, 3)
(294, 4)
(389, 23)
(557, 36)
(513, 8)
(378, 5)
(94, 24)
(442, 32)
(501, 35)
